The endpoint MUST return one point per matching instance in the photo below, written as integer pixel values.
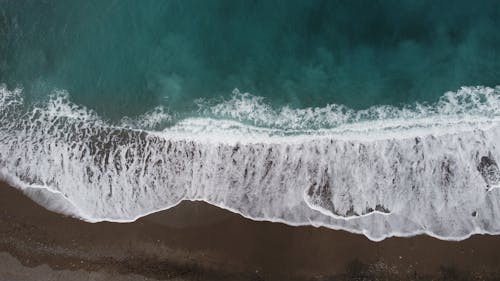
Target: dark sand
(197, 241)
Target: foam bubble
(382, 172)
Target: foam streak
(438, 176)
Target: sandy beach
(197, 241)
(338, 140)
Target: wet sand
(197, 241)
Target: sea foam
(384, 171)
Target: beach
(197, 241)
(322, 140)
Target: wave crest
(244, 107)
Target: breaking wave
(384, 171)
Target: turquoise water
(375, 117)
(126, 57)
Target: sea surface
(375, 117)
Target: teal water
(126, 57)
(376, 117)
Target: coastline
(198, 241)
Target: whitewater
(383, 171)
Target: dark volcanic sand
(197, 241)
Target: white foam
(151, 120)
(244, 107)
(381, 172)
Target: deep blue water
(126, 57)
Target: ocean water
(375, 117)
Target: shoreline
(198, 241)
